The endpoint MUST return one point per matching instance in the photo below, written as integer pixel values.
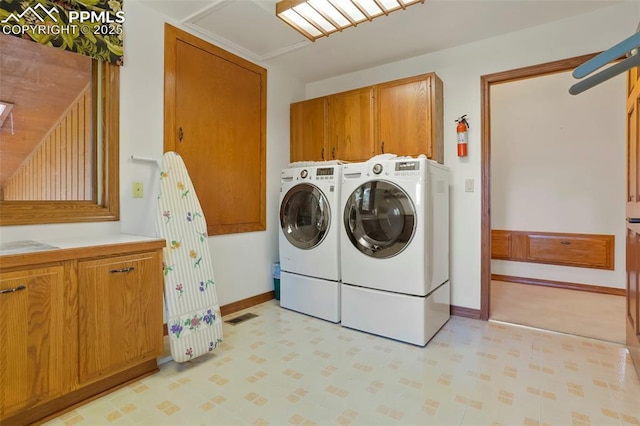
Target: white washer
(308, 237)
(395, 248)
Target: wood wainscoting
(565, 249)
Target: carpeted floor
(599, 316)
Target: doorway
(519, 77)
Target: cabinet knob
(322, 154)
(181, 134)
(566, 243)
(13, 290)
(333, 153)
(382, 147)
(116, 271)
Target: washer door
(305, 216)
(380, 219)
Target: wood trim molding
(486, 81)
(560, 284)
(247, 303)
(460, 311)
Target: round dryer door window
(380, 219)
(305, 216)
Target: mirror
(59, 140)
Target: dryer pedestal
(411, 319)
(311, 296)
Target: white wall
(460, 69)
(557, 165)
(242, 262)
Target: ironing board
(194, 322)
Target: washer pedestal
(311, 296)
(411, 319)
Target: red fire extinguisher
(461, 130)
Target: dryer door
(380, 219)
(305, 216)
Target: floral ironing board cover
(194, 322)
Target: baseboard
(247, 303)
(240, 305)
(560, 284)
(460, 311)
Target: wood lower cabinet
(33, 332)
(403, 117)
(633, 295)
(120, 313)
(75, 323)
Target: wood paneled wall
(580, 250)
(61, 167)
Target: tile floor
(287, 368)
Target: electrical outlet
(468, 185)
(137, 190)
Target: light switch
(468, 185)
(137, 190)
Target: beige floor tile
(287, 368)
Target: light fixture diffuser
(319, 18)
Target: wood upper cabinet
(409, 117)
(33, 349)
(308, 123)
(215, 118)
(350, 125)
(120, 313)
(402, 117)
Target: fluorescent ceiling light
(319, 18)
(5, 110)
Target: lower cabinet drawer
(586, 251)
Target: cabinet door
(32, 333)
(633, 151)
(308, 137)
(409, 117)
(350, 125)
(120, 313)
(215, 118)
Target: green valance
(89, 27)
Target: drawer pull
(566, 243)
(129, 269)
(13, 290)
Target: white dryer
(309, 248)
(395, 248)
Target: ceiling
(251, 27)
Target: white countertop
(28, 246)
